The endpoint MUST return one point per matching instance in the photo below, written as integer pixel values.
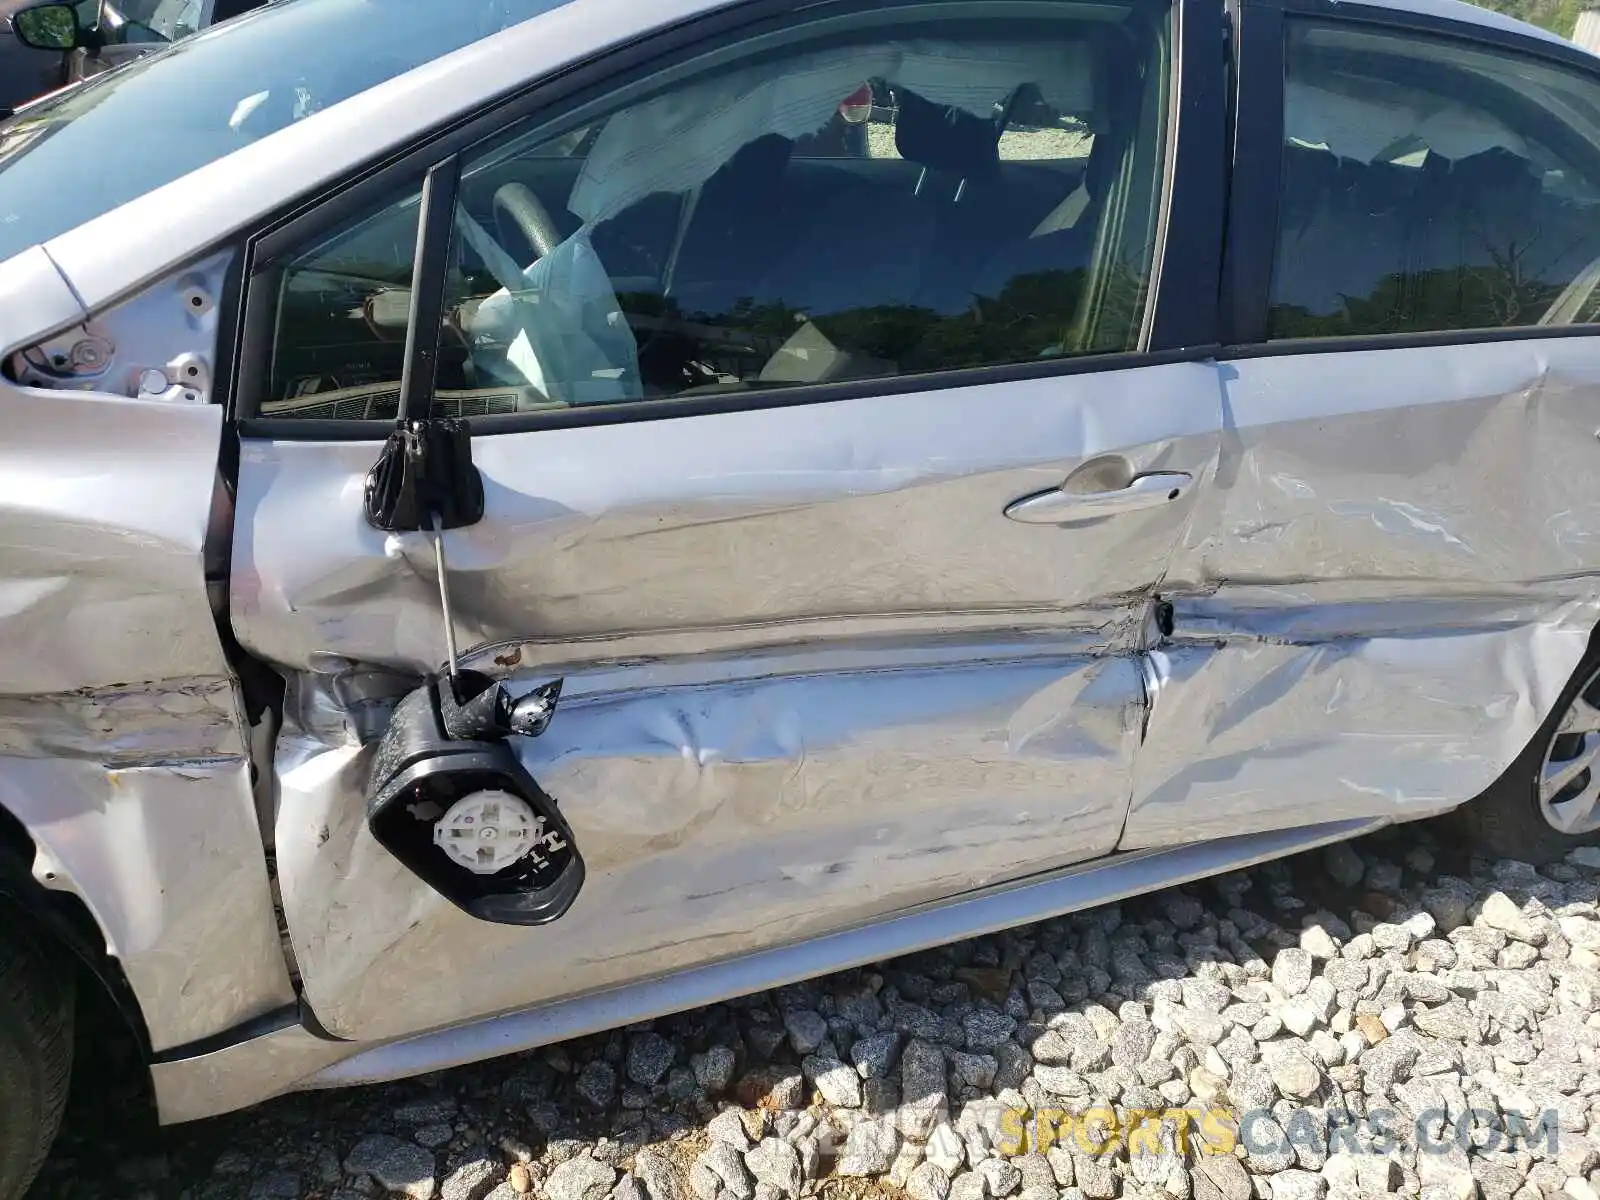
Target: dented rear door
(1399, 568)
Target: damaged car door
(1395, 576)
(682, 538)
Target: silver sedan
(520, 517)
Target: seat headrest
(944, 138)
(1496, 169)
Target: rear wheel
(36, 1011)
(1548, 803)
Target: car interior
(1409, 193)
(909, 235)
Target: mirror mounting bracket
(425, 479)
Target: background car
(106, 33)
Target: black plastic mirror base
(425, 473)
(423, 766)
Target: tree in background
(1558, 16)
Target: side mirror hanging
(446, 795)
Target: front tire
(36, 1017)
(1547, 804)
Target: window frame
(1256, 169)
(1179, 321)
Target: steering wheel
(516, 205)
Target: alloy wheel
(1569, 776)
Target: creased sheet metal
(120, 738)
(814, 674)
(1380, 599)
(717, 820)
(878, 517)
(160, 855)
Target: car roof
(194, 214)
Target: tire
(36, 1018)
(1508, 820)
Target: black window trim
(1180, 324)
(1257, 160)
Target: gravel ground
(1387, 1018)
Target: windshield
(89, 150)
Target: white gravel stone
(1295, 1184)
(656, 1171)
(727, 1165)
(1443, 1178)
(870, 1149)
(945, 1149)
(1500, 912)
(776, 1163)
(928, 1182)
(1095, 1179)
(728, 1126)
(1001, 1177)
(1295, 1075)
(397, 1166)
(581, 1178)
(713, 1070)
(1318, 942)
(807, 1030)
(1221, 1177)
(1344, 864)
(974, 1070)
(1291, 970)
(472, 1180)
(839, 1084)
(1266, 1146)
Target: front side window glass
(959, 185)
(1432, 185)
(963, 185)
(342, 310)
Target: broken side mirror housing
(448, 798)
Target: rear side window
(857, 196)
(1432, 185)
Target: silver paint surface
(1385, 572)
(814, 674)
(157, 345)
(1381, 597)
(120, 742)
(719, 820)
(288, 1059)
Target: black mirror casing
(421, 768)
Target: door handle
(1058, 507)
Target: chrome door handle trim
(1055, 507)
